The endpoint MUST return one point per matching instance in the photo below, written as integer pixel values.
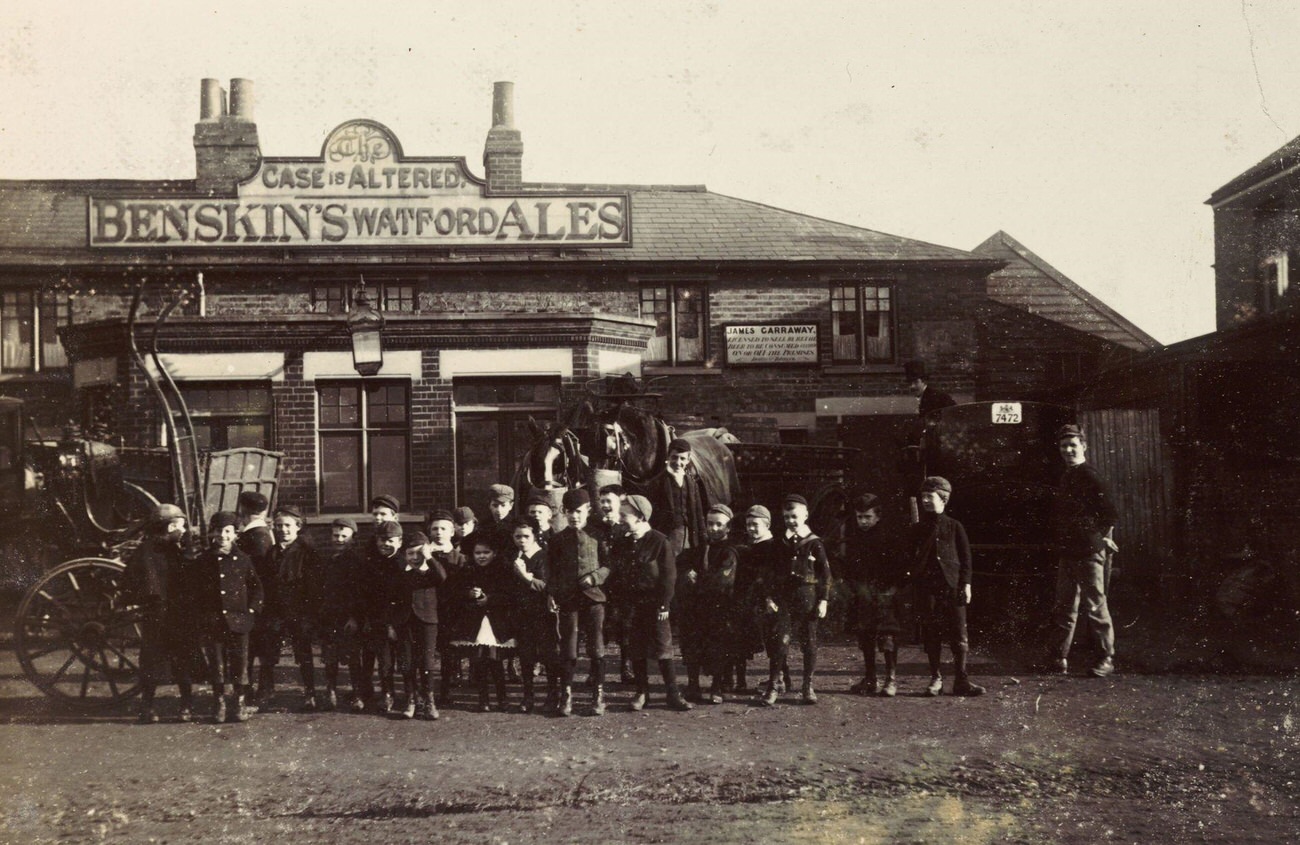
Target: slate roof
(1281, 159)
(46, 222)
(1031, 284)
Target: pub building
(390, 321)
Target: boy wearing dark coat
(233, 601)
(387, 604)
(578, 569)
(647, 578)
(256, 540)
(152, 580)
(872, 573)
(479, 615)
(339, 610)
(429, 566)
(287, 578)
(940, 559)
(796, 596)
(534, 614)
(707, 578)
(677, 497)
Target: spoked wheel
(76, 638)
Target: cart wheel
(76, 638)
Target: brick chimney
(226, 149)
(503, 154)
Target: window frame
(199, 416)
(37, 321)
(859, 286)
(382, 293)
(671, 287)
(364, 431)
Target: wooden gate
(1126, 448)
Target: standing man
(1083, 518)
(919, 381)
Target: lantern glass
(365, 324)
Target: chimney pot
(211, 100)
(503, 105)
(241, 99)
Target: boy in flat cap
(385, 508)
(578, 569)
(538, 509)
(154, 580)
(289, 580)
(707, 581)
(234, 600)
(646, 581)
(678, 500)
(796, 597)
(429, 560)
(466, 528)
(1083, 518)
(940, 561)
(387, 604)
(610, 531)
(340, 611)
(756, 562)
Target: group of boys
(377, 609)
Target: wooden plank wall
(1126, 449)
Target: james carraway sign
(363, 192)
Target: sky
(1091, 132)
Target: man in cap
(931, 399)
(1082, 520)
(678, 499)
(233, 603)
(707, 582)
(151, 580)
(796, 597)
(578, 569)
(646, 582)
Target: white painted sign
(758, 343)
(1007, 413)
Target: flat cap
(415, 538)
(1071, 430)
(638, 505)
(537, 497)
(439, 515)
(722, 509)
(678, 444)
(221, 519)
(501, 493)
(385, 501)
(387, 530)
(758, 512)
(937, 484)
(167, 512)
(463, 515)
(289, 510)
(345, 522)
(574, 499)
(794, 499)
(253, 501)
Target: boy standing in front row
(871, 573)
(796, 594)
(233, 604)
(941, 574)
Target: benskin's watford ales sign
(362, 192)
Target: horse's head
(555, 459)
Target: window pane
(388, 464)
(479, 458)
(243, 434)
(327, 299)
(56, 312)
(396, 297)
(690, 324)
(340, 466)
(655, 305)
(340, 407)
(386, 404)
(16, 330)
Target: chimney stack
(226, 148)
(503, 154)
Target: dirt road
(1134, 758)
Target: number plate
(1007, 413)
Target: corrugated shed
(1031, 284)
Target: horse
(555, 461)
(634, 442)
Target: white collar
(799, 533)
(255, 522)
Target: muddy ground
(1155, 754)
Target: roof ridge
(1073, 287)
